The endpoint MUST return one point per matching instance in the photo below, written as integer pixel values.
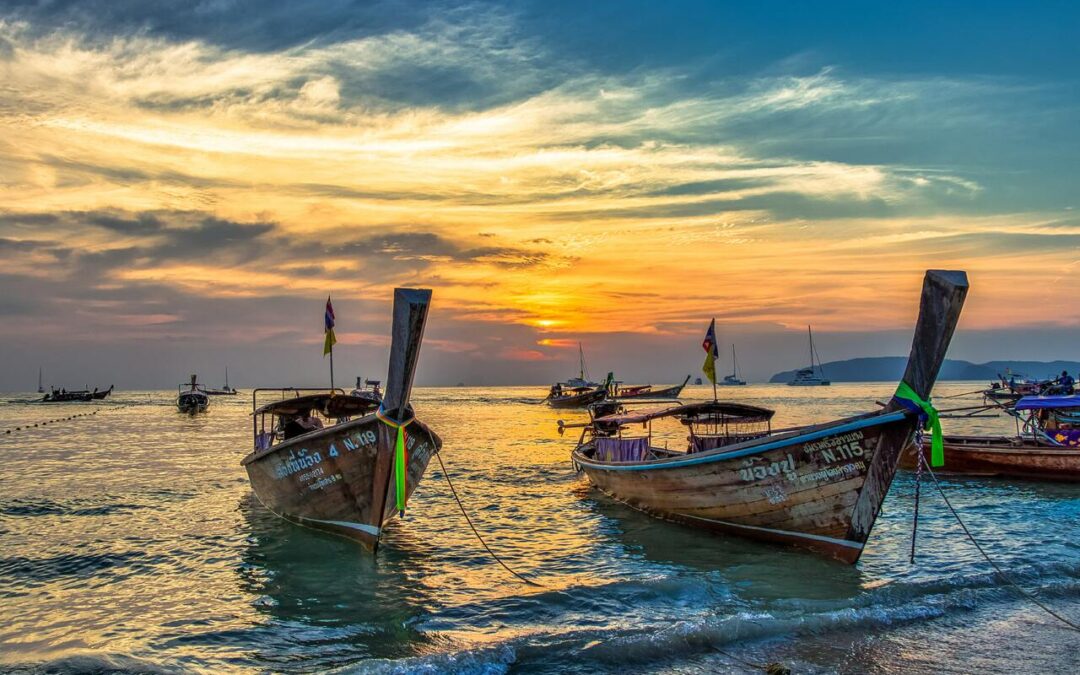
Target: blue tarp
(1048, 402)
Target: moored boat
(575, 397)
(369, 389)
(193, 399)
(224, 391)
(732, 380)
(82, 395)
(1046, 446)
(646, 391)
(351, 475)
(819, 487)
(812, 376)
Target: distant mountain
(888, 368)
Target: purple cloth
(1048, 402)
(621, 449)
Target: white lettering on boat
(828, 473)
(296, 462)
(749, 472)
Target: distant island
(889, 368)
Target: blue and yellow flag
(711, 353)
(331, 339)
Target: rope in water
(44, 423)
(473, 527)
(1005, 577)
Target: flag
(331, 340)
(711, 353)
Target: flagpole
(331, 366)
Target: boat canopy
(710, 411)
(332, 405)
(1048, 402)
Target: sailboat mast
(581, 361)
(811, 334)
(226, 377)
(734, 368)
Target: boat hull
(667, 393)
(820, 488)
(1002, 457)
(579, 401)
(339, 479)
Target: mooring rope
(473, 527)
(45, 423)
(1005, 577)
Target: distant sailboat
(582, 380)
(732, 380)
(808, 377)
(227, 391)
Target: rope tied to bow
(401, 457)
(928, 419)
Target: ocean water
(130, 542)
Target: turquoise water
(129, 541)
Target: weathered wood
(410, 316)
(1003, 457)
(338, 478)
(819, 487)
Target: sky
(183, 184)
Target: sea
(130, 541)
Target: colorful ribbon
(401, 457)
(928, 417)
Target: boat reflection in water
(350, 475)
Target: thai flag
(711, 352)
(330, 339)
(329, 315)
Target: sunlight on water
(130, 540)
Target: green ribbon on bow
(401, 460)
(913, 402)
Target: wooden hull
(339, 479)
(1003, 457)
(820, 488)
(668, 393)
(579, 401)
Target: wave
(483, 661)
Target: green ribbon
(401, 459)
(913, 402)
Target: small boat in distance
(809, 377)
(1046, 446)
(646, 391)
(225, 391)
(192, 400)
(820, 487)
(732, 380)
(350, 476)
(580, 391)
(697, 380)
(1014, 386)
(369, 389)
(82, 395)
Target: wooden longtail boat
(577, 397)
(1046, 447)
(646, 391)
(83, 395)
(341, 478)
(192, 400)
(820, 487)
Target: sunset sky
(182, 184)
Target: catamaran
(732, 380)
(809, 377)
